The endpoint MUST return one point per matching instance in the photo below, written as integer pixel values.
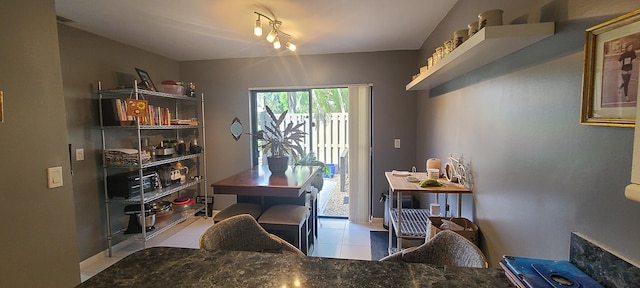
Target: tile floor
(337, 238)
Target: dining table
(188, 267)
(269, 188)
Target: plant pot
(278, 164)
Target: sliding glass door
(325, 111)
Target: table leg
(390, 222)
(459, 205)
(399, 230)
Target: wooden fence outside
(330, 135)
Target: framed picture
(146, 80)
(611, 70)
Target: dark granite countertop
(182, 267)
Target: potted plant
(309, 159)
(281, 142)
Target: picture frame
(610, 87)
(145, 79)
(611, 71)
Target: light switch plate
(54, 177)
(79, 154)
(396, 143)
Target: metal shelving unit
(148, 196)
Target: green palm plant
(282, 142)
(309, 159)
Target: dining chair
(243, 233)
(446, 248)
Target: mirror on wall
(236, 129)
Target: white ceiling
(219, 29)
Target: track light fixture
(273, 36)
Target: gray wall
(38, 243)
(226, 85)
(539, 174)
(86, 59)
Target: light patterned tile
(100, 265)
(197, 227)
(330, 236)
(331, 223)
(366, 226)
(327, 250)
(356, 237)
(182, 241)
(358, 252)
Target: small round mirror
(236, 128)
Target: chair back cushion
(447, 248)
(241, 233)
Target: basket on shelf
(470, 229)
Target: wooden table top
(399, 183)
(258, 181)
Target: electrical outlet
(396, 143)
(79, 154)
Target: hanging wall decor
(610, 74)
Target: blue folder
(543, 273)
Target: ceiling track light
(257, 29)
(276, 43)
(273, 36)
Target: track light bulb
(276, 43)
(257, 29)
(272, 35)
(290, 46)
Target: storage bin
(470, 232)
(332, 171)
(172, 89)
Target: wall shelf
(486, 46)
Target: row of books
(525, 272)
(114, 113)
(156, 116)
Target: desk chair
(243, 233)
(447, 248)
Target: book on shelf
(113, 113)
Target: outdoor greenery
(309, 159)
(329, 100)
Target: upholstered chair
(243, 233)
(446, 248)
